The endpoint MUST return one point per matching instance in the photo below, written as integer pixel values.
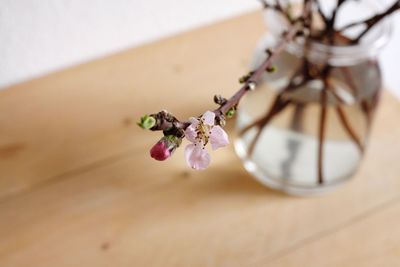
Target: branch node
(251, 86)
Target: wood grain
(370, 241)
(89, 112)
(79, 189)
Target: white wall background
(41, 36)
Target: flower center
(203, 133)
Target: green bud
(147, 122)
(243, 79)
(174, 139)
(271, 69)
(230, 113)
(246, 77)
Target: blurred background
(77, 184)
(38, 37)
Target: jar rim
(368, 47)
(344, 54)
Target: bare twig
(371, 22)
(299, 26)
(277, 6)
(321, 13)
(347, 126)
(256, 76)
(321, 135)
(173, 125)
(278, 99)
(279, 104)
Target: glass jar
(303, 134)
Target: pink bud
(160, 150)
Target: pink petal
(194, 121)
(208, 118)
(197, 157)
(190, 133)
(218, 137)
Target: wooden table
(78, 188)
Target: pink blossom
(200, 133)
(197, 156)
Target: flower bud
(220, 120)
(229, 114)
(219, 100)
(160, 151)
(271, 69)
(164, 148)
(147, 122)
(268, 51)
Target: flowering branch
(200, 131)
(208, 128)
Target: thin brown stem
(329, 23)
(347, 126)
(290, 87)
(321, 135)
(277, 6)
(257, 74)
(343, 118)
(278, 102)
(372, 21)
(350, 82)
(254, 141)
(335, 95)
(369, 107)
(278, 105)
(174, 125)
(321, 13)
(364, 105)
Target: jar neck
(343, 55)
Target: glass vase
(304, 130)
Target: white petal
(194, 122)
(208, 118)
(190, 133)
(218, 137)
(197, 157)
